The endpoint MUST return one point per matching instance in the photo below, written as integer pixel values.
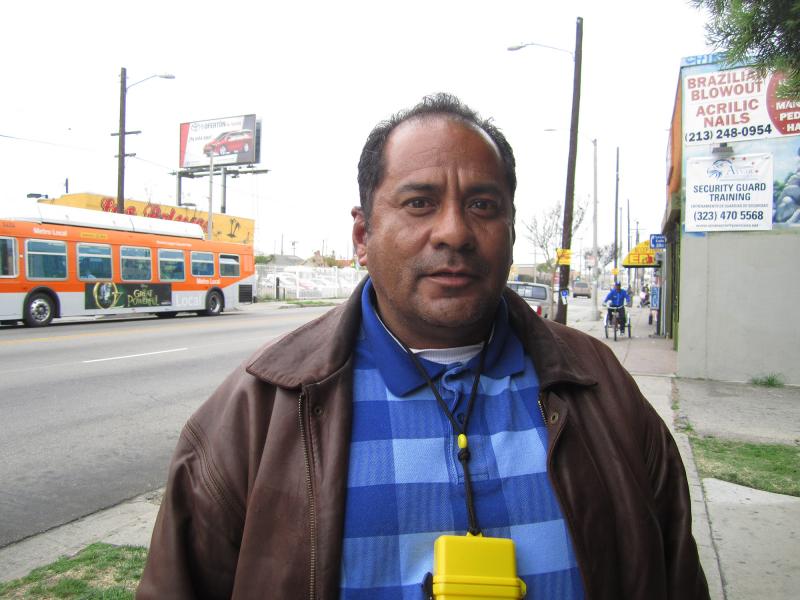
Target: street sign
(564, 256)
(564, 296)
(655, 297)
(658, 241)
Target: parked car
(230, 141)
(581, 288)
(538, 295)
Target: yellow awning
(641, 256)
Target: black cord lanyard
(461, 432)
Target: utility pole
(629, 238)
(123, 94)
(616, 222)
(566, 234)
(123, 82)
(596, 267)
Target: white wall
(740, 305)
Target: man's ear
(360, 235)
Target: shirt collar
(504, 357)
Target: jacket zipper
(557, 490)
(309, 490)
(541, 408)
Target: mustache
(443, 260)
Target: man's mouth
(452, 277)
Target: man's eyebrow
(429, 188)
(484, 188)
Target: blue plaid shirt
(405, 486)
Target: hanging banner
(729, 194)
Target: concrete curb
(128, 523)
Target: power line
(70, 147)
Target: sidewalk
(749, 541)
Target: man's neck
(434, 337)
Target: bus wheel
(213, 304)
(39, 310)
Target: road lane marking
(135, 330)
(134, 355)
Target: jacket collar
(504, 356)
(546, 343)
(320, 348)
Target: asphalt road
(91, 410)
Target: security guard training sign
(729, 193)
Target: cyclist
(617, 298)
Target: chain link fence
(306, 283)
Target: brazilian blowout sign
(107, 294)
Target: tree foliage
(606, 255)
(544, 231)
(762, 33)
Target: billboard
(224, 227)
(735, 105)
(230, 140)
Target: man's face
(440, 236)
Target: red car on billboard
(230, 142)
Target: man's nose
(452, 227)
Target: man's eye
(418, 203)
(485, 205)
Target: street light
(566, 234)
(123, 91)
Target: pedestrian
(434, 401)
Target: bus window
(229, 265)
(8, 257)
(202, 264)
(94, 261)
(136, 265)
(46, 260)
(170, 265)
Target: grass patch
(772, 380)
(769, 467)
(99, 571)
(306, 303)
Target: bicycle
(614, 322)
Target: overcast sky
(319, 75)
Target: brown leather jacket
(255, 499)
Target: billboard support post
(210, 193)
(224, 190)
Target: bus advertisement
(58, 261)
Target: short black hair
(371, 164)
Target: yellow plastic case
(475, 568)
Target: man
(617, 298)
(433, 402)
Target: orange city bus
(58, 261)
